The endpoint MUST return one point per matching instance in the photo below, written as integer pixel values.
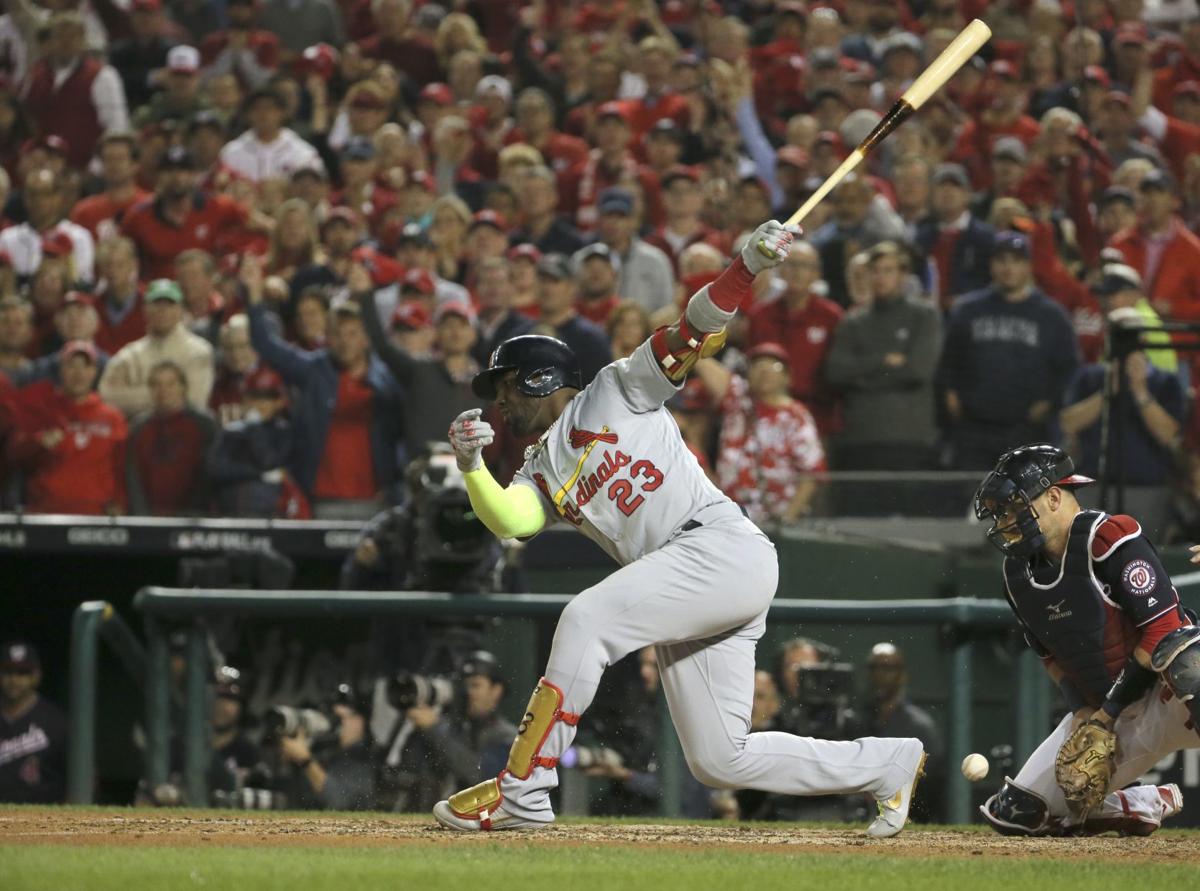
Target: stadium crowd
(253, 252)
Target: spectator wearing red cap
(348, 413)
(1163, 251)
(557, 301)
(242, 49)
(683, 200)
(118, 294)
(535, 126)
(165, 453)
(33, 731)
(125, 380)
(438, 387)
(180, 216)
(102, 212)
(71, 444)
(72, 95)
(247, 466)
(605, 167)
(412, 329)
(302, 24)
(493, 297)
(16, 334)
(1003, 116)
(25, 243)
(268, 150)
(75, 320)
(803, 321)
(542, 225)
(140, 57)
(179, 98)
(769, 449)
(523, 260)
(882, 361)
(396, 42)
(952, 238)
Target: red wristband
(732, 286)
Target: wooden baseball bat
(932, 79)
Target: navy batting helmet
(543, 365)
(1007, 494)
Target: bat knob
(766, 251)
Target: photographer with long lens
(441, 735)
(329, 753)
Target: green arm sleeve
(515, 512)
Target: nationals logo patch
(1139, 578)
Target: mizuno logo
(1056, 607)
(1055, 611)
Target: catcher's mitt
(1085, 764)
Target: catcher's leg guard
(1177, 659)
(542, 713)
(1017, 811)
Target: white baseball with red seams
(615, 466)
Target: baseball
(975, 767)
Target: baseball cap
(554, 266)
(411, 315)
(489, 218)
(793, 156)
(494, 83)
(1010, 243)
(267, 93)
(358, 149)
(667, 129)
(163, 289)
(51, 143)
(263, 381)
(1157, 179)
(77, 348)
(1095, 74)
(824, 57)
(320, 58)
(453, 308)
(1116, 97)
(482, 663)
(1114, 194)
(1187, 88)
(341, 214)
(177, 158)
(205, 118)
(418, 280)
(437, 93)
(57, 244)
(422, 179)
(770, 350)
(183, 59)
(614, 200)
(955, 174)
(680, 171)
(1003, 69)
(612, 110)
(412, 233)
(901, 40)
(1010, 148)
(228, 683)
(316, 172)
(1116, 277)
(597, 250)
(72, 298)
(525, 251)
(19, 655)
(368, 97)
(1130, 34)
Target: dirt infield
(34, 826)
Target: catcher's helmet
(1007, 494)
(543, 365)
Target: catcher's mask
(1007, 494)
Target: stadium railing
(165, 608)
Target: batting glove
(768, 246)
(468, 437)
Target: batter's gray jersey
(615, 465)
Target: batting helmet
(543, 365)
(1008, 492)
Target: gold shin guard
(542, 713)
(478, 801)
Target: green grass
(530, 868)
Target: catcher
(1096, 604)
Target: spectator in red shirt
(396, 42)
(535, 126)
(683, 199)
(1163, 251)
(101, 213)
(165, 454)
(71, 444)
(769, 449)
(803, 322)
(1004, 116)
(118, 295)
(179, 216)
(242, 49)
(655, 56)
(597, 269)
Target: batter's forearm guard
(676, 360)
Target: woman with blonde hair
(458, 31)
(628, 326)
(295, 241)
(448, 233)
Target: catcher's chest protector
(1073, 616)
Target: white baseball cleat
(485, 821)
(1172, 799)
(893, 812)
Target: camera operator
(434, 746)
(233, 753)
(889, 713)
(332, 762)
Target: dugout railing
(166, 609)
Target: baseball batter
(696, 576)
(1100, 610)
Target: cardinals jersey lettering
(615, 466)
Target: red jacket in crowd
(67, 110)
(1175, 281)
